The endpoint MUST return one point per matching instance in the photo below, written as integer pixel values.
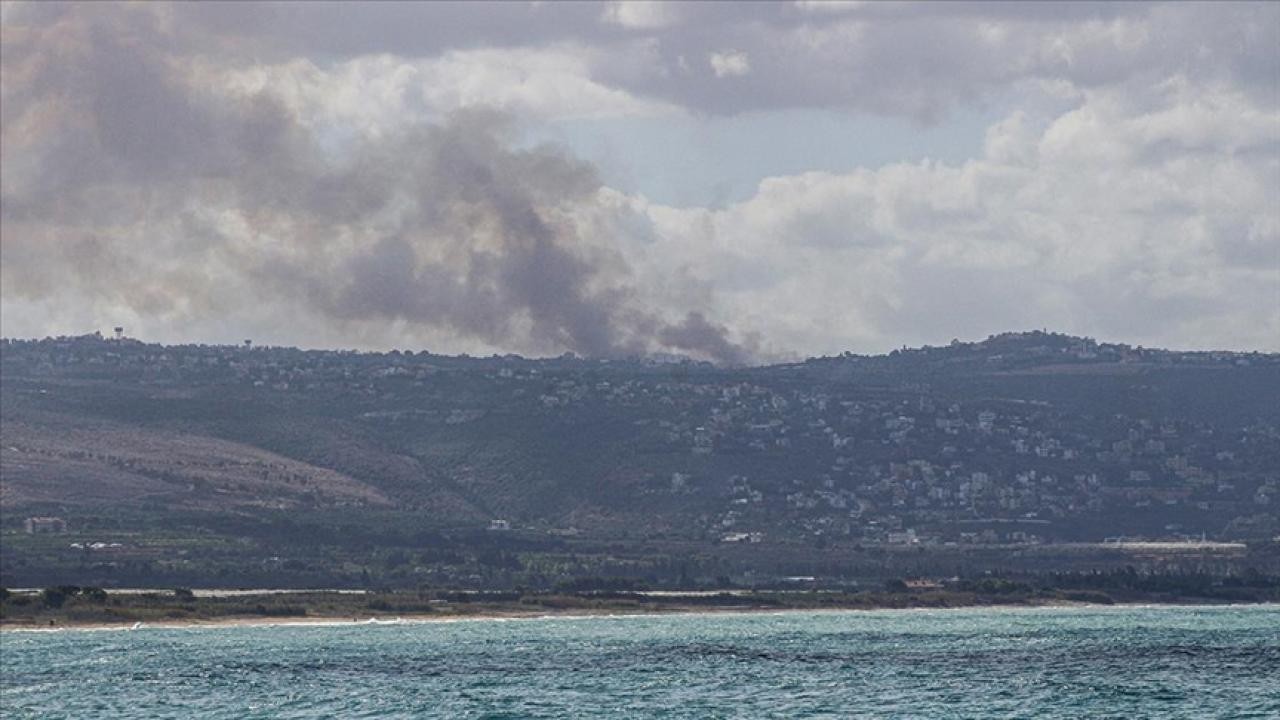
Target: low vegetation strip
(70, 606)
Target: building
(904, 537)
(922, 584)
(45, 525)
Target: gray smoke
(697, 334)
(116, 145)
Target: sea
(1067, 662)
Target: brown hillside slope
(74, 462)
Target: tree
(53, 597)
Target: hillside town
(907, 449)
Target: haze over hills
(203, 464)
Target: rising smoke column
(135, 175)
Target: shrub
(1089, 596)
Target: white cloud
(641, 14)
(731, 63)
(1115, 219)
(829, 6)
(371, 94)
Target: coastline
(254, 621)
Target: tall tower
(119, 333)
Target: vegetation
(72, 605)
(135, 465)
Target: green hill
(318, 466)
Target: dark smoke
(696, 334)
(114, 139)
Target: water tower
(119, 333)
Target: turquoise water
(1136, 662)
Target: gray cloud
(914, 59)
(131, 176)
(264, 166)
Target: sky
(740, 183)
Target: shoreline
(250, 621)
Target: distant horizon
(256, 345)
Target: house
(922, 584)
(43, 525)
(905, 537)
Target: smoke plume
(135, 174)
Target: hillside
(404, 461)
